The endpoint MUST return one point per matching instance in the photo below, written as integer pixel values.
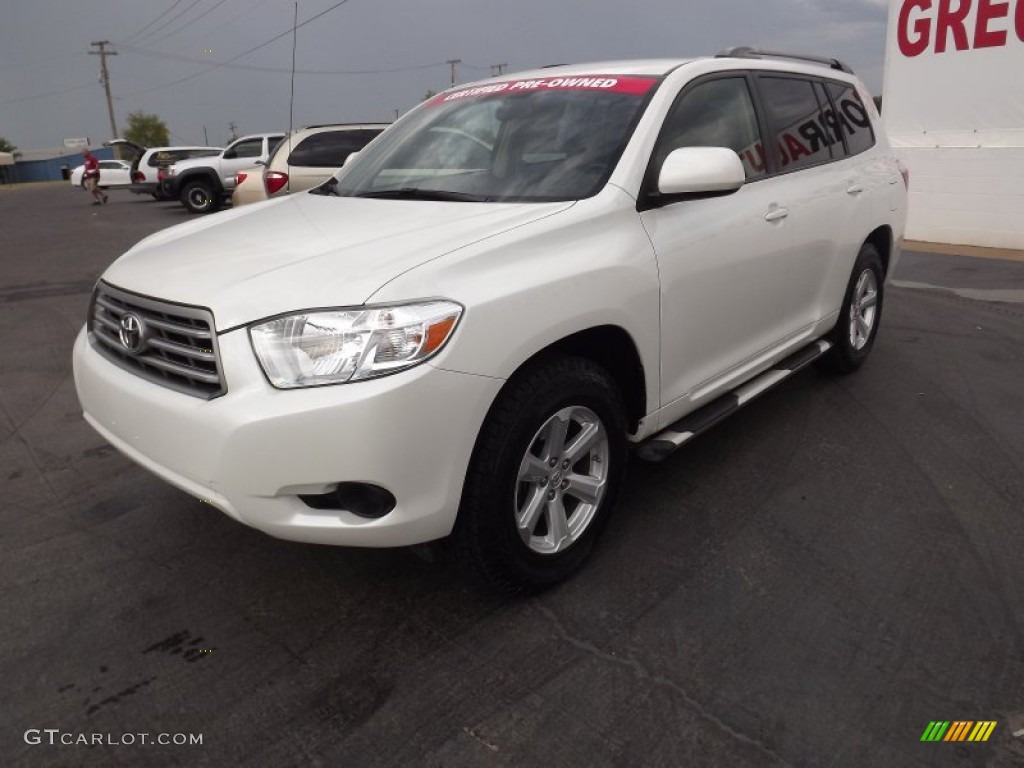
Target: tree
(5, 172)
(147, 130)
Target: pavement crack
(642, 673)
(474, 735)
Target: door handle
(854, 189)
(777, 215)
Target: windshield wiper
(329, 187)
(416, 193)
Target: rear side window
(799, 127)
(330, 149)
(167, 157)
(248, 148)
(853, 117)
(830, 123)
(715, 113)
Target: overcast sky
(43, 46)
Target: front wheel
(200, 197)
(544, 476)
(855, 331)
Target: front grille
(177, 344)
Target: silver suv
(203, 184)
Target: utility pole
(452, 63)
(233, 128)
(396, 114)
(498, 69)
(206, 139)
(105, 78)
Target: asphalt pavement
(811, 583)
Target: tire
(861, 312)
(510, 475)
(200, 197)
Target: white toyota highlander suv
(467, 329)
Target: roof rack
(746, 52)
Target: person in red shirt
(91, 177)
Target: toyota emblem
(131, 333)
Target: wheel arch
(881, 238)
(200, 174)
(611, 347)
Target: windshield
(521, 140)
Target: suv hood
(306, 251)
(197, 162)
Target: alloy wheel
(562, 480)
(863, 309)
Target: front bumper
(145, 187)
(169, 187)
(252, 451)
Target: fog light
(361, 499)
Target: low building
(6, 167)
(51, 164)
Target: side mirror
(350, 158)
(701, 170)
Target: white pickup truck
(202, 184)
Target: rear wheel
(200, 197)
(855, 331)
(544, 476)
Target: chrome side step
(675, 436)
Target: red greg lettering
(948, 20)
(987, 11)
(922, 28)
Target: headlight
(310, 349)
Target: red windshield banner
(612, 84)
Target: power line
(250, 10)
(36, 62)
(154, 21)
(254, 68)
(173, 32)
(255, 48)
(176, 16)
(51, 93)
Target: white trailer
(953, 103)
